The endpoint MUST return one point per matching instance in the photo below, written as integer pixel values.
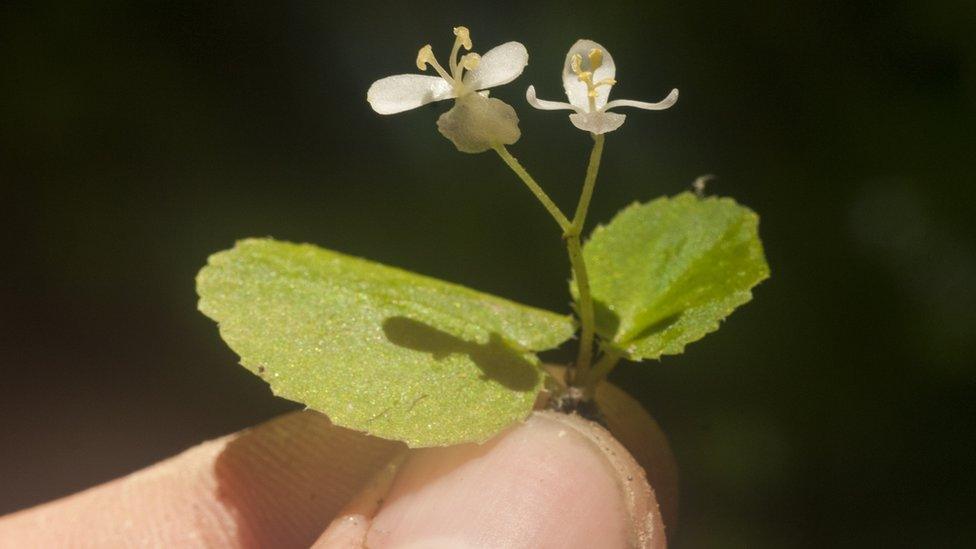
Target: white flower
(469, 73)
(588, 75)
(476, 123)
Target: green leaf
(665, 273)
(378, 349)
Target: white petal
(576, 90)
(544, 105)
(500, 65)
(403, 92)
(665, 103)
(597, 122)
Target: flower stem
(600, 370)
(571, 234)
(516, 167)
(584, 309)
(572, 237)
(594, 167)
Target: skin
(298, 481)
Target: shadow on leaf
(497, 360)
(607, 321)
(657, 327)
(608, 324)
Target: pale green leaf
(378, 349)
(665, 273)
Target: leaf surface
(378, 349)
(665, 273)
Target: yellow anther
(463, 36)
(592, 87)
(576, 64)
(595, 61)
(470, 60)
(425, 56)
(596, 58)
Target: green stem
(516, 167)
(600, 370)
(589, 183)
(585, 301)
(572, 236)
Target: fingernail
(350, 527)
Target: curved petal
(476, 124)
(403, 92)
(544, 105)
(597, 122)
(500, 65)
(576, 90)
(665, 103)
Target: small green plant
(407, 357)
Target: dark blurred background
(834, 410)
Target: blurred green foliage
(833, 410)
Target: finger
(276, 485)
(642, 436)
(350, 527)
(554, 481)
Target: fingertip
(641, 499)
(553, 481)
(643, 438)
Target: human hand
(554, 481)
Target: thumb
(554, 481)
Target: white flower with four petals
(588, 75)
(475, 123)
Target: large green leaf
(665, 273)
(378, 349)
